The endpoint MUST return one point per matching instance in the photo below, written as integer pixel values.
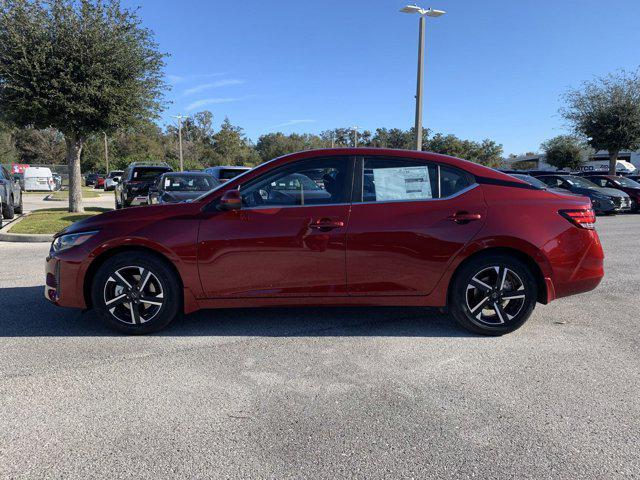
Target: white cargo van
(38, 179)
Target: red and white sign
(19, 167)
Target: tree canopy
(606, 111)
(564, 151)
(81, 67)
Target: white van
(38, 179)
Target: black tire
(19, 208)
(482, 286)
(8, 210)
(161, 286)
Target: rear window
(230, 173)
(147, 174)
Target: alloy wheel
(495, 295)
(133, 295)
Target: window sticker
(402, 183)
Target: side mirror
(230, 200)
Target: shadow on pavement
(24, 312)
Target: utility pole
(355, 136)
(418, 127)
(180, 117)
(423, 13)
(106, 151)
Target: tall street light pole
(423, 13)
(106, 151)
(180, 117)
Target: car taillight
(583, 218)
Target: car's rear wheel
(493, 295)
(136, 293)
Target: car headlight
(64, 242)
(597, 196)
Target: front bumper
(62, 285)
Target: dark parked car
(537, 183)
(431, 230)
(626, 184)
(174, 187)
(10, 194)
(226, 172)
(90, 179)
(604, 200)
(133, 188)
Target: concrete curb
(5, 236)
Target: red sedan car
(336, 227)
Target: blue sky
(494, 69)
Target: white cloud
(212, 101)
(185, 78)
(207, 86)
(294, 122)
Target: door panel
(403, 248)
(274, 251)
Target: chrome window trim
(265, 207)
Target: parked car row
(608, 193)
(147, 183)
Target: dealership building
(628, 162)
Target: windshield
(188, 183)
(147, 174)
(626, 182)
(115, 173)
(531, 180)
(579, 182)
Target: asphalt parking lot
(323, 393)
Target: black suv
(135, 182)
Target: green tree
(606, 111)
(44, 146)
(8, 151)
(564, 151)
(487, 152)
(80, 66)
(231, 147)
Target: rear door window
(391, 179)
(387, 179)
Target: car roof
(193, 174)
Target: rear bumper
(582, 267)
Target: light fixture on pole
(423, 13)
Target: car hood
(133, 216)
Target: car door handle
(464, 217)
(326, 224)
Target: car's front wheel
(9, 211)
(493, 295)
(136, 293)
